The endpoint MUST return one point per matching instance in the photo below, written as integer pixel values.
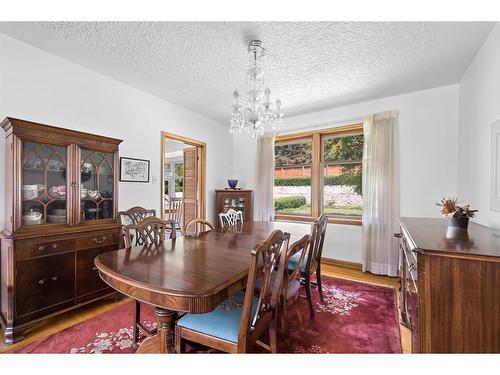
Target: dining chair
(231, 219)
(312, 260)
(174, 211)
(291, 285)
(151, 230)
(133, 215)
(198, 222)
(242, 319)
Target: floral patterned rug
(354, 318)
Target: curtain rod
(349, 121)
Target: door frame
(202, 155)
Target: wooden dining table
(191, 274)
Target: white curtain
(264, 178)
(380, 194)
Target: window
(319, 172)
(292, 177)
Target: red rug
(355, 318)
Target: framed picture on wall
(134, 170)
(495, 167)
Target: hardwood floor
(73, 317)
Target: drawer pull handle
(94, 268)
(103, 238)
(42, 247)
(397, 235)
(50, 278)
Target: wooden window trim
(317, 136)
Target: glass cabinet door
(43, 184)
(96, 185)
(234, 202)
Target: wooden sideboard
(239, 200)
(450, 286)
(60, 213)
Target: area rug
(354, 318)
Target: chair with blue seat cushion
(241, 320)
(312, 260)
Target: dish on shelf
(32, 217)
(33, 164)
(58, 212)
(55, 165)
(56, 219)
(93, 194)
(30, 191)
(83, 193)
(58, 191)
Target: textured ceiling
(309, 65)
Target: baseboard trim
(342, 263)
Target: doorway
(183, 179)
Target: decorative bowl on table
(232, 183)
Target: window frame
(316, 171)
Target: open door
(190, 156)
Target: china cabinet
(60, 213)
(236, 199)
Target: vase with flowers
(459, 215)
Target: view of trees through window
(292, 177)
(174, 174)
(341, 174)
(340, 167)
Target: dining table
(188, 274)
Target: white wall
(41, 87)
(479, 108)
(427, 129)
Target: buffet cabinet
(60, 213)
(236, 199)
(450, 286)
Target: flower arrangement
(450, 209)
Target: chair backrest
(231, 218)
(151, 230)
(134, 215)
(198, 223)
(266, 256)
(298, 246)
(316, 244)
(175, 209)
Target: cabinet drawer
(87, 275)
(44, 282)
(25, 249)
(97, 240)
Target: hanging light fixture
(259, 115)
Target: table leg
(164, 340)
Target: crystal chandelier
(258, 116)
